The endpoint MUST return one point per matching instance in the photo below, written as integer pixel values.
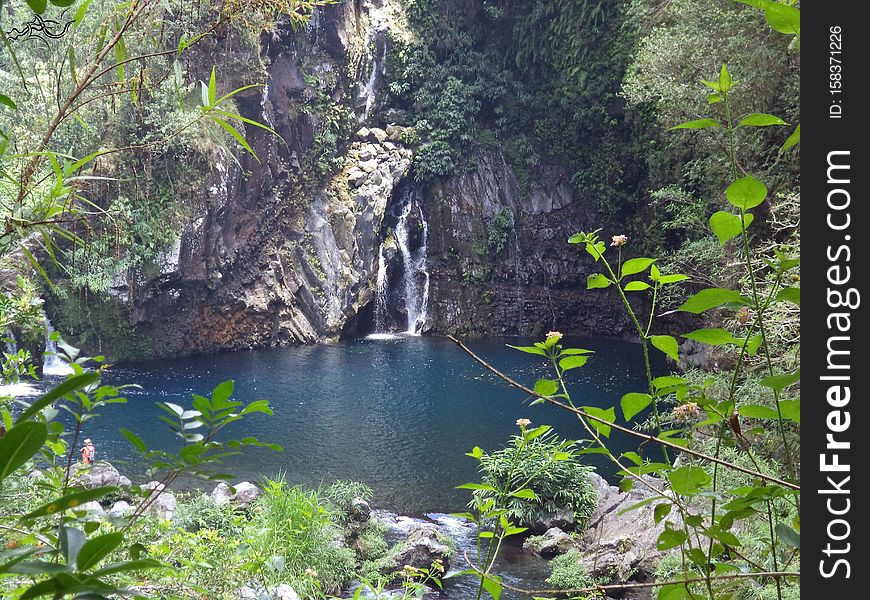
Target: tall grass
(295, 539)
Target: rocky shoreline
(614, 547)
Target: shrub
(201, 512)
(568, 572)
(558, 484)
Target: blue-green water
(397, 414)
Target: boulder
(93, 509)
(422, 548)
(282, 592)
(553, 543)
(363, 133)
(369, 165)
(356, 178)
(560, 519)
(618, 546)
(241, 495)
(100, 474)
(120, 509)
(379, 134)
(163, 502)
(360, 510)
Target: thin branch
(643, 436)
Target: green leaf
(525, 494)
(537, 432)
(130, 565)
(597, 280)
(476, 486)
(70, 384)
(666, 344)
(238, 136)
(637, 286)
(626, 485)
(666, 381)
(760, 120)
(675, 278)
(572, 362)
(791, 410)
(710, 298)
(670, 538)
(791, 294)
(596, 250)
(71, 541)
(72, 500)
(221, 394)
(608, 415)
(789, 536)
(792, 140)
(4, 99)
(689, 480)
(697, 124)
(37, 6)
(259, 406)
(714, 337)
(757, 411)
(783, 18)
(634, 402)
(636, 265)
(747, 192)
(97, 548)
(782, 381)
(19, 445)
(675, 591)
(725, 81)
(212, 87)
(727, 225)
(661, 511)
(493, 586)
(63, 3)
(529, 349)
(80, 12)
(546, 387)
(134, 440)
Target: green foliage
(557, 484)
(293, 530)
(201, 512)
(567, 572)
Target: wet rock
(422, 548)
(563, 520)
(552, 543)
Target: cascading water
(416, 273)
(378, 61)
(51, 362)
(381, 292)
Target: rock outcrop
(240, 495)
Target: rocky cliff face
(288, 248)
(501, 263)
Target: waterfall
(368, 91)
(52, 364)
(414, 260)
(381, 292)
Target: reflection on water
(397, 414)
